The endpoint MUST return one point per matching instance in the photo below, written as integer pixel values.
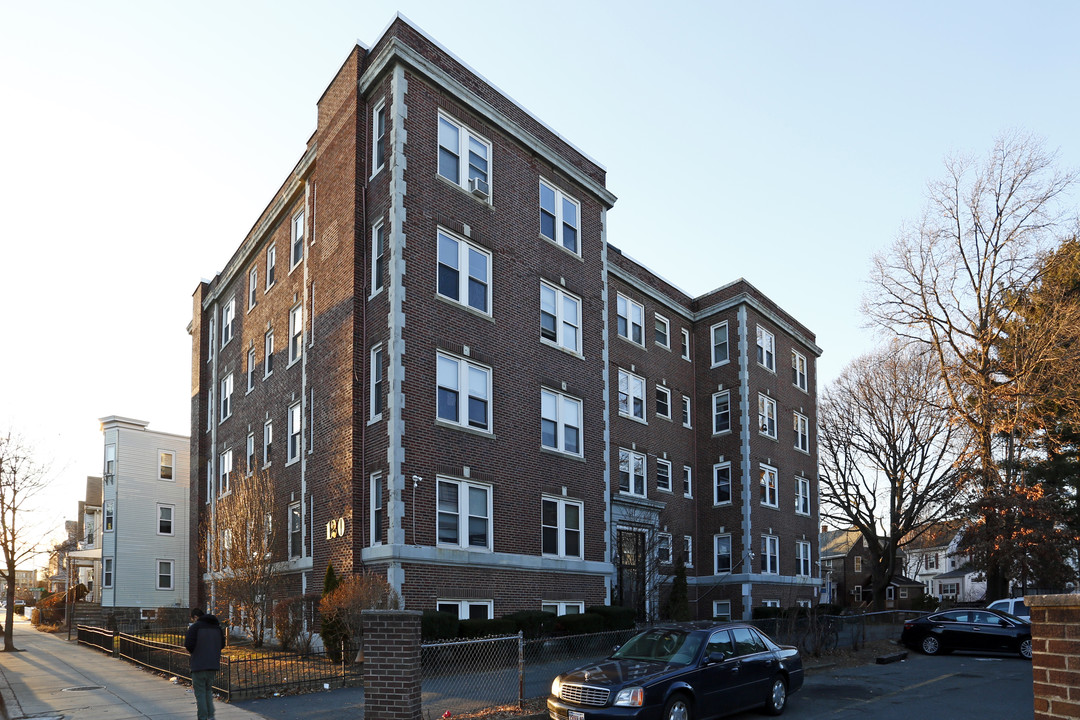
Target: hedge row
(436, 625)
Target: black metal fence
(95, 637)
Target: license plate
(575, 715)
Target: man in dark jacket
(204, 641)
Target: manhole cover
(80, 688)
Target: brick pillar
(391, 664)
(1055, 646)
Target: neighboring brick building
(453, 378)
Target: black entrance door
(632, 570)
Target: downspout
(606, 379)
(211, 480)
(747, 465)
(310, 302)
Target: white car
(1013, 606)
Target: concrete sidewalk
(54, 678)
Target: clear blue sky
(782, 142)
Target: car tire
(1025, 648)
(777, 696)
(678, 708)
(930, 645)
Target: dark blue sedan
(681, 673)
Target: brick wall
(391, 664)
(1055, 645)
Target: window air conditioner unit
(478, 187)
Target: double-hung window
(250, 453)
(253, 283)
(560, 317)
(464, 157)
(631, 395)
(560, 422)
(766, 416)
(268, 442)
(464, 273)
(663, 475)
(662, 331)
(165, 519)
(770, 555)
(376, 382)
(663, 402)
(631, 473)
(164, 574)
(296, 333)
(770, 493)
(377, 514)
(559, 215)
(721, 412)
(166, 463)
(561, 532)
(292, 448)
(718, 333)
(378, 137)
(630, 316)
(297, 239)
(268, 354)
(226, 397)
(224, 470)
(110, 516)
(464, 392)
(663, 548)
(766, 349)
(686, 411)
(569, 607)
(687, 481)
(798, 370)
(685, 344)
(802, 496)
(107, 572)
(802, 433)
(721, 554)
(688, 550)
(296, 535)
(271, 265)
(378, 256)
(251, 370)
(228, 315)
(802, 558)
(722, 483)
(464, 514)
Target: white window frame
(771, 603)
(717, 426)
(632, 314)
(559, 218)
(802, 496)
(268, 442)
(228, 316)
(465, 605)
(294, 436)
(766, 349)
(688, 481)
(802, 432)
(271, 267)
(663, 548)
(253, 284)
(171, 464)
(379, 136)
(721, 610)
(766, 416)
(635, 481)
(226, 397)
(685, 344)
(719, 470)
(567, 329)
(107, 572)
(562, 529)
(770, 486)
(268, 354)
(798, 370)
(462, 513)
(375, 385)
(378, 257)
(464, 248)
(296, 333)
(249, 452)
(715, 346)
(562, 407)
(158, 574)
(171, 520)
(718, 568)
(688, 548)
(666, 392)
(687, 416)
(378, 509)
(770, 555)
(294, 516)
(803, 558)
(251, 370)
(296, 244)
(658, 321)
(109, 513)
(464, 135)
(632, 388)
(663, 472)
(562, 607)
(225, 466)
(463, 390)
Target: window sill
(372, 421)
(465, 190)
(562, 454)
(467, 308)
(720, 364)
(662, 346)
(766, 436)
(560, 348)
(294, 361)
(726, 503)
(770, 507)
(376, 292)
(634, 419)
(464, 428)
(269, 287)
(804, 452)
(721, 432)
(568, 251)
(628, 341)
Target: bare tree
(955, 282)
(244, 552)
(345, 605)
(21, 478)
(891, 457)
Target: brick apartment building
(454, 379)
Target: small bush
(828, 609)
(767, 613)
(929, 603)
(435, 625)
(35, 617)
(533, 623)
(587, 622)
(484, 628)
(614, 617)
(289, 622)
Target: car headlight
(630, 697)
(556, 687)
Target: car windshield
(661, 645)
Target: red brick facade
(1055, 655)
(473, 508)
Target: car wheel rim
(678, 711)
(930, 645)
(1025, 649)
(779, 695)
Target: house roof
(957, 573)
(837, 543)
(938, 535)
